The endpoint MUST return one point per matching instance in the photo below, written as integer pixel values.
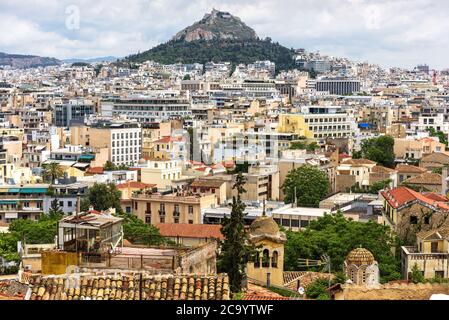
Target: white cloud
(389, 32)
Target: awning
(8, 202)
(14, 190)
(33, 190)
(86, 157)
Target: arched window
(257, 260)
(266, 259)
(274, 259)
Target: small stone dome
(264, 225)
(359, 257)
(265, 228)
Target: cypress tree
(236, 250)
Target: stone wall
(392, 292)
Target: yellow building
(268, 265)
(294, 123)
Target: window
(434, 247)
(148, 219)
(162, 208)
(426, 220)
(413, 220)
(304, 223)
(190, 221)
(257, 260)
(61, 203)
(274, 260)
(266, 259)
(190, 209)
(69, 203)
(162, 219)
(439, 274)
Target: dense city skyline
(390, 33)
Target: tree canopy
(52, 171)
(336, 236)
(380, 150)
(311, 184)
(102, 196)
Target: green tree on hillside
(103, 196)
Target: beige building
(354, 172)
(162, 173)
(122, 139)
(416, 148)
(430, 255)
(171, 208)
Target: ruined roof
(442, 233)
(127, 287)
(186, 230)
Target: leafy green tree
(35, 232)
(318, 290)
(311, 185)
(109, 166)
(103, 196)
(235, 249)
(186, 77)
(52, 171)
(336, 236)
(417, 276)
(138, 232)
(439, 134)
(55, 211)
(380, 150)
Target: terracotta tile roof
(190, 230)
(95, 170)
(135, 184)
(12, 290)
(401, 196)
(127, 287)
(436, 197)
(436, 157)
(404, 168)
(359, 162)
(425, 178)
(249, 296)
(305, 279)
(380, 169)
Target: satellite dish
(301, 290)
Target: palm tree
(52, 171)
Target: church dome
(265, 228)
(264, 225)
(359, 257)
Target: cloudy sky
(400, 33)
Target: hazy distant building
(338, 86)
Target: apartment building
(22, 202)
(122, 139)
(411, 148)
(338, 86)
(67, 112)
(181, 207)
(152, 108)
(163, 172)
(320, 122)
